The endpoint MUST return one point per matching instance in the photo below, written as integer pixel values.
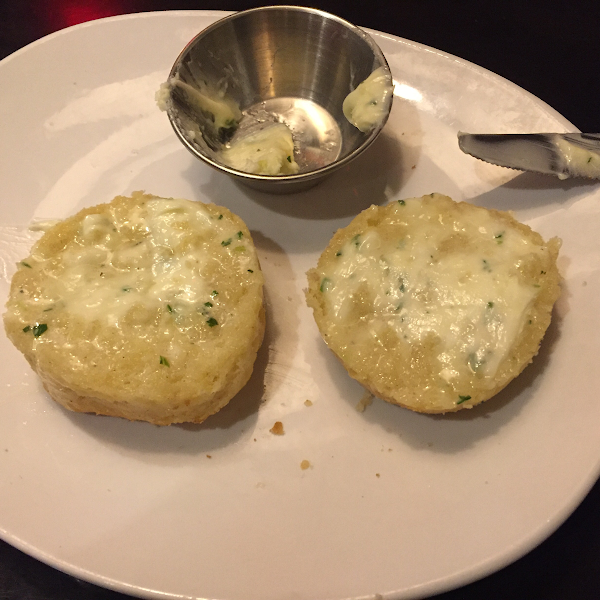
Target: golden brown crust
(190, 410)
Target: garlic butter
(368, 105)
(222, 109)
(267, 151)
(578, 161)
(149, 258)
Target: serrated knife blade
(561, 154)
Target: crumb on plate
(365, 401)
(277, 428)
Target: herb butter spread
(146, 308)
(437, 290)
(268, 151)
(369, 104)
(213, 119)
(578, 161)
(222, 110)
(151, 257)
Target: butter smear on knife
(579, 162)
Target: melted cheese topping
(147, 259)
(469, 297)
(369, 103)
(268, 151)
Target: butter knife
(561, 154)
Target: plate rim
(483, 569)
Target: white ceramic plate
(394, 503)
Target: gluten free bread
(144, 308)
(434, 305)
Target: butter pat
(269, 151)
(367, 106)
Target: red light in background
(59, 14)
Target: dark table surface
(550, 48)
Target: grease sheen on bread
(145, 308)
(434, 305)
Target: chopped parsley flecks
(212, 322)
(209, 304)
(462, 399)
(542, 272)
(401, 202)
(400, 306)
(240, 249)
(226, 242)
(250, 271)
(220, 217)
(164, 361)
(401, 285)
(26, 264)
(486, 266)
(39, 329)
(499, 237)
(289, 159)
(126, 288)
(490, 304)
(214, 293)
(169, 308)
(26, 328)
(239, 234)
(338, 253)
(356, 240)
(589, 159)
(325, 284)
